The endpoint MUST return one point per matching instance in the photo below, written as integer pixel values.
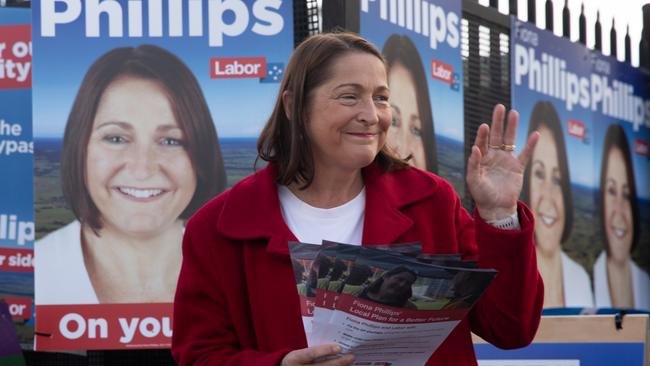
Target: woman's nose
(368, 112)
(143, 161)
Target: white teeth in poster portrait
(262, 16)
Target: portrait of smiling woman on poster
(547, 189)
(618, 281)
(140, 155)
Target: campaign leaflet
(552, 93)
(308, 267)
(346, 274)
(421, 42)
(621, 104)
(143, 111)
(405, 310)
(386, 306)
(16, 164)
(342, 258)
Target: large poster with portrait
(16, 149)
(143, 111)
(421, 43)
(550, 89)
(621, 103)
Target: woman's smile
(547, 219)
(140, 194)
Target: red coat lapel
(386, 194)
(255, 212)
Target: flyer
(387, 307)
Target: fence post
(549, 15)
(628, 46)
(613, 51)
(582, 25)
(644, 45)
(566, 20)
(598, 33)
(531, 11)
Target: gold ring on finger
(506, 147)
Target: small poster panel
(143, 111)
(16, 163)
(621, 103)
(551, 90)
(421, 43)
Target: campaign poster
(16, 164)
(621, 139)
(551, 90)
(143, 111)
(421, 43)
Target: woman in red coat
(332, 176)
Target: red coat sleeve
(204, 333)
(509, 312)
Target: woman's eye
(415, 131)
(114, 139)
(539, 174)
(556, 181)
(348, 98)
(395, 122)
(611, 190)
(168, 141)
(381, 98)
(626, 194)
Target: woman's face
(138, 172)
(397, 285)
(617, 206)
(349, 114)
(546, 197)
(405, 132)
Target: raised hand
(494, 174)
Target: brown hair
(615, 138)
(284, 141)
(189, 107)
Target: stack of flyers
(385, 303)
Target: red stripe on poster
(103, 326)
(16, 260)
(15, 56)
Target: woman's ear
(287, 103)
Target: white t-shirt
(343, 224)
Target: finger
(527, 153)
(344, 360)
(511, 130)
(308, 355)
(496, 130)
(481, 140)
(473, 166)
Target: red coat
(237, 304)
